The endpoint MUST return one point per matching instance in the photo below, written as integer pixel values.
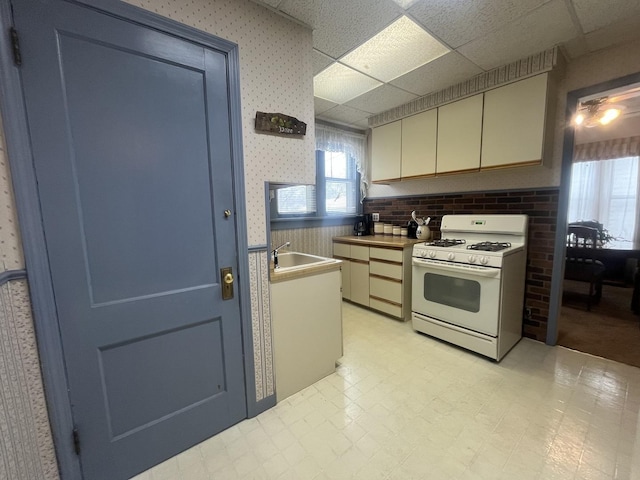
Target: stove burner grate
(489, 246)
(446, 242)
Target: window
(606, 191)
(296, 200)
(338, 181)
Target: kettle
(423, 232)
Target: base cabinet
(360, 282)
(307, 330)
(378, 277)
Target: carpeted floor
(609, 330)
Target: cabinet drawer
(387, 289)
(386, 254)
(342, 250)
(385, 307)
(391, 270)
(359, 252)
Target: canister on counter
(396, 230)
(388, 229)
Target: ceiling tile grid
(457, 22)
(595, 14)
(442, 72)
(469, 37)
(380, 99)
(339, 26)
(523, 36)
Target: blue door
(132, 151)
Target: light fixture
(339, 83)
(593, 113)
(398, 49)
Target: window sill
(311, 222)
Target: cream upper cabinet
(386, 151)
(459, 135)
(514, 123)
(419, 135)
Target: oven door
(463, 295)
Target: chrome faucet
(275, 253)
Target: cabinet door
(385, 152)
(419, 135)
(459, 135)
(360, 282)
(342, 251)
(514, 123)
(346, 279)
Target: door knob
(227, 283)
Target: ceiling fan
(595, 112)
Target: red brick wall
(540, 205)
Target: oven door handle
(452, 267)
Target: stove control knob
(484, 260)
(451, 255)
(472, 259)
(432, 254)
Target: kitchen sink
(296, 260)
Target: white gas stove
(468, 287)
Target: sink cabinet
(377, 273)
(307, 330)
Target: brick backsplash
(541, 205)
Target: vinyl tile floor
(403, 406)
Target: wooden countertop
(378, 240)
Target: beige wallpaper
(276, 76)
(583, 72)
(26, 446)
(316, 241)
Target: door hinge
(15, 45)
(76, 441)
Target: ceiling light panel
(405, 3)
(401, 47)
(340, 84)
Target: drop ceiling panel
(576, 47)
(321, 105)
(345, 115)
(447, 70)
(272, 3)
(594, 14)
(320, 61)
(457, 22)
(619, 32)
(380, 99)
(544, 28)
(338, 25)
